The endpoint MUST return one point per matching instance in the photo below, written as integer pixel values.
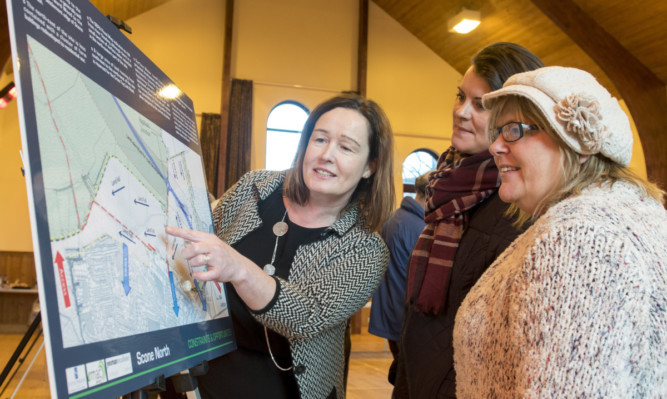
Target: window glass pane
(287, 116)
(283, 132)
(416, 164)
(280, 149)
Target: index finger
(190, 235)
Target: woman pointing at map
(300, 254)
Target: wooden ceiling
(641, 28)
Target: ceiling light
(169, 92)
(464, 22)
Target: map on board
(110, 162)
(112, 181)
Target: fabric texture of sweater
(400, 233)
(329, 281)
(575, 307)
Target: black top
(249, 371)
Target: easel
(16, 356)
(174, 387)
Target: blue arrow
(117, 190)
(150, 157)
(140, 203)
(126, 271)
(173, 292)
(126, 237)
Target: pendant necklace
(279, 229)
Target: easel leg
(180, 385)
(27, 370)
(19, 349)
(149, 392)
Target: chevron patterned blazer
(330, 279)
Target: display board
(112, 157)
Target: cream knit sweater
(575, 307)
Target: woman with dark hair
(576, 307)
(466, 229)
(300, 253)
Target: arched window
(416, 164)
(283, 131)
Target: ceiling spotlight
(465, 21)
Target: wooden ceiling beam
(221, 183)
(5, 47)
(362, 48)
(643, 92)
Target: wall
(637, 162)
(14, 221)
(313, 44)
(185, 39)
(415, 87)
(281, 45)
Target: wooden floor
(369, 364)
(367, 379)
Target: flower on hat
(583, 120)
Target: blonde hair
(574, 175)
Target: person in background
(300, 253)
(577, 305)
(400, 233)
(466, 229)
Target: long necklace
(279, 229)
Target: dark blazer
(426, 353)
(330, 279)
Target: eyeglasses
(511, 131)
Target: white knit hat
(579, 109)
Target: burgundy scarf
(459, 183)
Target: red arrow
(63, 279)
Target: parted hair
(498, 61)
(574, 175)
(376, 193)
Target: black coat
(425, 364)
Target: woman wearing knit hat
(577, 305)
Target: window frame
(269, 129)
(410, 188)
